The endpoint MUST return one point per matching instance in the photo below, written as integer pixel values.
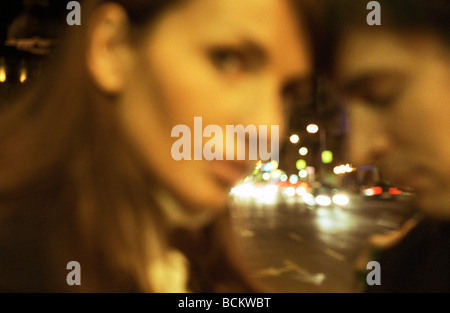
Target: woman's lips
(228, 173)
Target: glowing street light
(327, 156)
(293, 179)
(23, 75)
(2, 75)
(300, 164)
(294, 138)
(266, 176)
(342, 169)
(23, 72)
(2, 70)
(303, 151)
(303, 174)
(312, 128)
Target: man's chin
(434, 206)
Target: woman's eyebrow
(255, 50)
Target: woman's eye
(228, 60)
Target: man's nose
(368, 139)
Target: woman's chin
(210, 201)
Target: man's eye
(379, 99)
(228, 60)
(380, 92)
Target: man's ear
(109, 54)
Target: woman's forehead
(251, 16)
(269, 25)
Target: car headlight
(309, 199)
(323, 200)
(341, 199)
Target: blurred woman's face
(228, 62)
(398, 92)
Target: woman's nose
(269, 111)
(268, 117)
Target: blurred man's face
(228, 62)
(398, 93)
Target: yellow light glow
(300, 164)
(337, 170)
(312, 128)
(294, 138)
(23, 75)
(303, 151)
(2, 74)
(327, 156)
(2, 70)
(290, 191)
(342, 169)
(303, 174)
(266, 176)
(301, 191)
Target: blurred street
(294, 248)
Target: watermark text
(234, 144)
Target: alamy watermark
(374, 276)
(374, 16)
(74, 16)
(214, 149)
(73, 278)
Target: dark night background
(32, 18)
(8, 10)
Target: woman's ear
(109, 54)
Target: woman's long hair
(71, 191)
